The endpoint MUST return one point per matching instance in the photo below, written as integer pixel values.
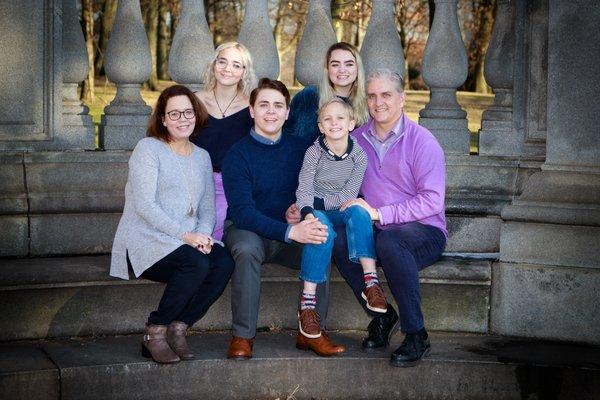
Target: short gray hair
(385, 73)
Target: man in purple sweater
(403, 191)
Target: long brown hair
(155, 126)
(358, 97)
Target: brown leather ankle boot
(155, 346)
(176, 339)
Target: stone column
(257, 35)
(318, 35)
(444, 70)
(498, 135)
(78, 128)
(128, 64)
(549, 245)
(381, 47)
(192, 47)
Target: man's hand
(362, 203)
(292, 214)
(309, 231)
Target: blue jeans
(403, 251)
(359, 231)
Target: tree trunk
(431, 12)
(87, 91)
(151, 23)
(109, 13)
(164, 41)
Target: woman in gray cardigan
(169, 215)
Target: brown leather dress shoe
(309, 323)
(322, 345)
(375, 298)
(240, 348)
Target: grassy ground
(473, 103)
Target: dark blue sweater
(260, 183)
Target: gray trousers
(250, 251)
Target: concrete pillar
(498, 135)
(192, 47)
(381, 47)
(76, 120)
(318, 35)
(128, 64)
(257, 35)
(549, 240)
(444, 70)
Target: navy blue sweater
(260, 183)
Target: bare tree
(150, 14)
(87, 91)
(108, 13)
(477, 18)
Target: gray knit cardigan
(159, 188)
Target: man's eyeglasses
(222, 63)
(175, 115)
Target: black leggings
(194, 282)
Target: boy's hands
(292, 214)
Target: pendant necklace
(190, 210)
(219, 106)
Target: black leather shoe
(414, 347)
(381, 329)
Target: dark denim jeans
(359, 233)
(402, 251)
(194, 282)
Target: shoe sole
(306, 348)
(239, 358)
(315, 336)
(406, 364)
(370, 307)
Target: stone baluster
(381, 47)
(128, 65)
(497, 135)
(192, 47)
(77, 123)
(257, 35)
(444, 70)
(318, 35)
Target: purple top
(381, 146)
(409, 183)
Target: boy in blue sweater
(260, 177)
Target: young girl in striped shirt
(331, 174)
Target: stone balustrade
(127, 63)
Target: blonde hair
(339, 101)
(248, 81)
(358, 97)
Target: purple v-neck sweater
(409, 184)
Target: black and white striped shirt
(326, 181)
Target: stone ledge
(75, 271)
(58, 297)
(458, 367)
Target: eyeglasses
(175, 115)
(222, 63)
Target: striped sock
(371, 279)
(308, 301)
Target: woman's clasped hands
(203, 243)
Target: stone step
(460, 366)
(74, 296)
